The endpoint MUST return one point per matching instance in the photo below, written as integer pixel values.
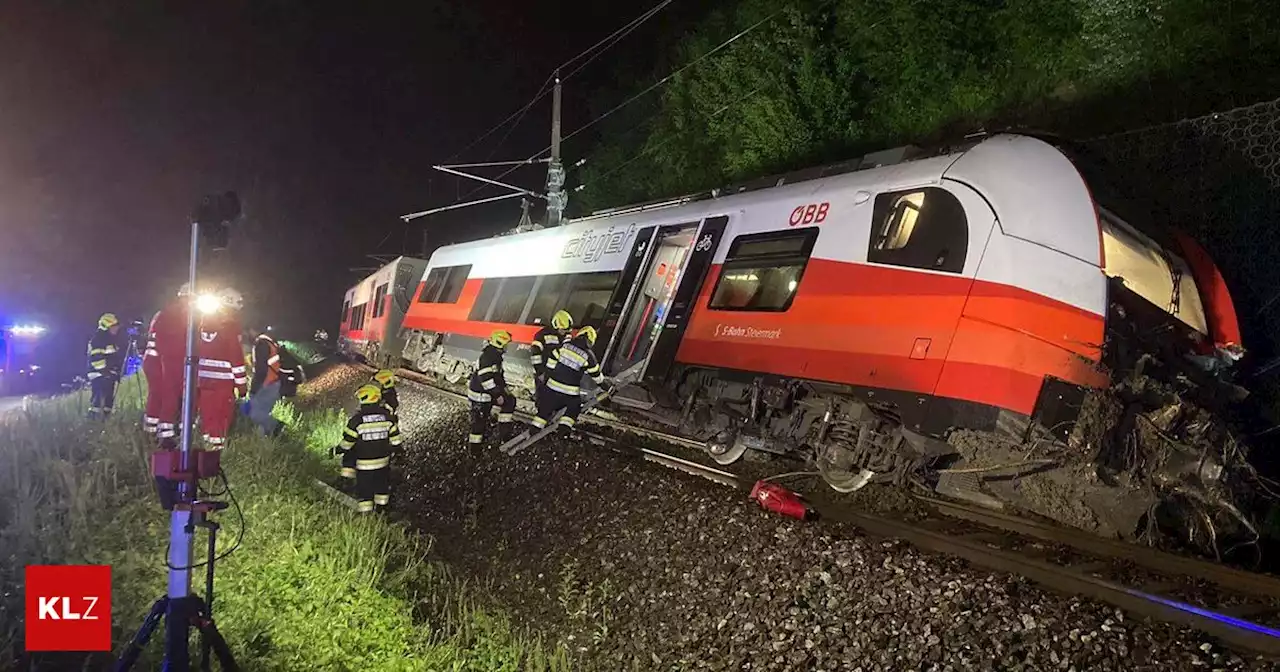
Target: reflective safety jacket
(266, 362)
(544, 343)
(105, 357)
(568, 364)
(488, 381)
(371, 435)
(221, 358)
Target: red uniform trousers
(171, 378)
(153, 371)
(217, 409)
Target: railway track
(1239, 608)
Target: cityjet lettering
(730, 331)
(592, 245)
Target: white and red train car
(374, 308)
(979, 288)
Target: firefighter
(220, 374)
(168, 347)
(104, 366)
(565, 369)
(370, 438)
(265, 389)
(386, 381)
(488, 385)
(545, 342)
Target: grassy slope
(313, 586)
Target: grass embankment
(313, 585)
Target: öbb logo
(68, 608)
(813, 213)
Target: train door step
(966, 487)
(634, 396)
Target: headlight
(208, 303)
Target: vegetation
(311, 585)
(817, 80)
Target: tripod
(192, 610)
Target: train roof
(1000, 167)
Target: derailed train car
(867, 320)
(373, 310)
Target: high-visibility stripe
(99, 364)
(560, 387)
(350, 432)
(364, 506)
(220, 363)
(373, 464)
(488, 384)
(383, 424)
(539, 422)
(348, 472)
(573, 356)
(395, 439)
(479, 397)
(93, 375)
(505, 417)
(474, 438)
(487, 369)
(273, 359)
(347, 443)
(217, 375)
(381, 500)
(567, 421)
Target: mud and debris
(636, 567)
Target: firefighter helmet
(108, 320)
(500, 338)
(562, 320)
(385, 378)
(590, 333)
(369, 394)
(232, 299)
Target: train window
(921, 228)
(512, 297)
(357, 317)
(346, 310)
(547, 299)
(431, 290)
(762, 271)
(589, 295)
(379, 301)
(453, 284)
(488, 292)
(444, 285)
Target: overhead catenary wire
(590, 53)
(709, 53)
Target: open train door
(654, 316)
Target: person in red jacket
(221, 375)
(169, 343)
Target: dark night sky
(325, 117)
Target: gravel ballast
(637, 567)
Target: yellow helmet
(562, 320)
(590, 333)
(500, 338)
(108, 320)
(369, 394)
(385, 378)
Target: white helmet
(231, 298)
